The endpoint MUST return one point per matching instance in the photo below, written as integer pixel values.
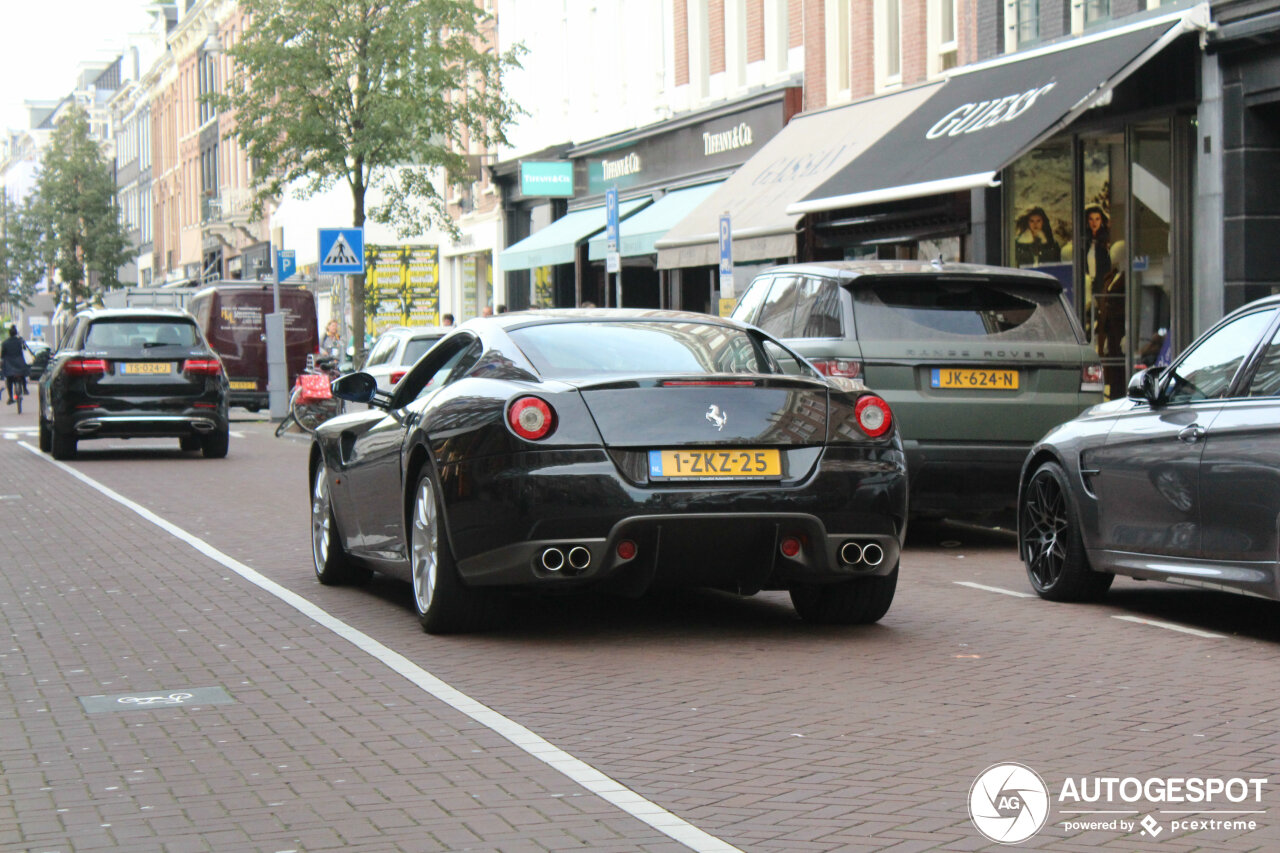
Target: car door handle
(1192, 434)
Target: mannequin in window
(1034, 243)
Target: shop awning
(810, 149)
(984, 117)
(648, 225)
(555, 244)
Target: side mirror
(1145, 386)
(355, 387)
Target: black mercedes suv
(126, 373)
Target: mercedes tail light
(531, 418)
(846, 367)
(1091, 378)
(85, 367)
(873, 416)
(397, 376)
(202, 366)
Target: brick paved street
(765, 733)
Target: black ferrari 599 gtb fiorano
(616, 449)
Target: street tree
(384, 95)
(25, 256)
(75, 211)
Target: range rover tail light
(1091, 378)
(397, 376)
(846, 367)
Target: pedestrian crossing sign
(341, 251)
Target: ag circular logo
(1009, 803)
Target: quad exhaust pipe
(853, 553)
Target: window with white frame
(888, 40)
(838, 52)
(1022, 23)
(942, 35)
(777, 37)
(735, 43)
(1096, 11)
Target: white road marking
(1155, 623)
(577, 770)
(986, 588)
(235, 434)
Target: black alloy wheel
(62, 443)
(1052, 547)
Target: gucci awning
(985, 116)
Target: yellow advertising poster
(404, 285)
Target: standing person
(486, 311)
(13, 363)
(1105, 284)
(1034, 243)
(331, 343)
(446, 320)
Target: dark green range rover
(976, 362)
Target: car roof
(136, 314)
(417, 331)
(518, 319)
(851, 270)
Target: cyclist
(13, 364)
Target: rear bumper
(964, 478)
(137, 424)
(503, 514)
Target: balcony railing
(231, 206)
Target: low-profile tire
(860, 601)
(216, 444)
(333, 566)
(62, 445)
(45, 434)
(1052, 547)
(444, 604)
(189, 443)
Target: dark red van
(231, 315)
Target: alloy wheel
(425, 543)
(321, 527)
(1046, 529)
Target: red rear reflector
(397, 376)
(873, 415)
(530, 418)
(85, 366)
(845, 367)
(626, 549)
(205, 405)
(790, 546)
(202, 366)
(737, 383)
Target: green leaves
(382, 94)
(72, 224)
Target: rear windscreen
(895, 309)
(583, 349)
(140, 334)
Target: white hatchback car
(396, 350)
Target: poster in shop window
(403, 286)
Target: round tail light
(790, 546)
(531, 418)
(873, 416)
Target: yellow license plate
(711, 464)
(243, 385)
(147, 367)
(977, 380)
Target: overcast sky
(42, 42)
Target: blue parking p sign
(341, 251)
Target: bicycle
(311, 402)
(17, 389)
